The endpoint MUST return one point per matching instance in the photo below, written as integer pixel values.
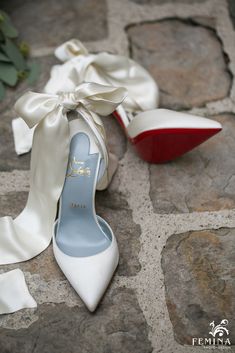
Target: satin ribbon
(31, 232)
(104, 68)
(14, 293)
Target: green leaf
(6, 26)
(34, 72)
(14, 54)
(3, 57)
(2, 91)
(8, 74)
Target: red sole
(160, 146)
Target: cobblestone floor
(176, 234)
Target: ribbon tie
(104, 68)
(92, 97)
(68, 100)
(30, 233)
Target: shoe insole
(78, 231)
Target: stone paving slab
(119, 322)
(198, 268)
(12, 203)
(55, 21)
(186, 60)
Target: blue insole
(79, 233)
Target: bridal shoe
(158, 135)
(84, 244)
(167, 134)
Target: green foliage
(13, 57)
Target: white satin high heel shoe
(157, 135)
(84, 245)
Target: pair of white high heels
(70, 160)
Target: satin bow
(104, 68)
(30, 233)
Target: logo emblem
(220, 329)
(219, 335)
(77, 168)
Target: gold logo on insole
(77, 168)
